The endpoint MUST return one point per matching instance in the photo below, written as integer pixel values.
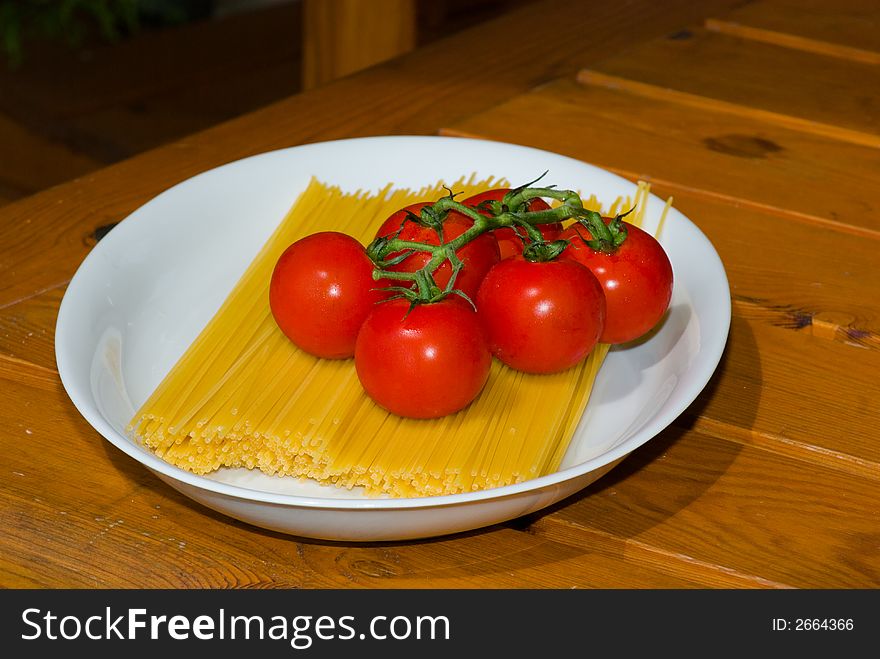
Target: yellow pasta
(242, 395)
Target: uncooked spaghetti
(243, 395)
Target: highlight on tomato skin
(424, 361)
(477, 256)
(321, 291)
(509, 243)
(541, 317)
(637, 279)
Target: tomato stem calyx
(606, 237)
(540, 251)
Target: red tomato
(321, 292)
(541, 317)
(636, 278)
(509, 243)
(477, 256)
(428, 363)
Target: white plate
(147, 289)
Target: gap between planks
(792, 41)
(30, 296)
(646, 90)
(27, 373)
(780, 445)
(672, 563)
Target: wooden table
(760, 119)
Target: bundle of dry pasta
(242, 395)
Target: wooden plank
(849, 29)
(27, 330)
(43, 237)
(69, 214)
(175, 550)
(758, 76)
(78, 513)
(815, 178)
(713, 502)
(653, 93)
(792, 41)
(27, 373)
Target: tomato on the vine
(477, 256)
(636, 277)
(541, 317)
(422, 362)
(321, 292)
(509, 243)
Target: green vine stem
(512, 211)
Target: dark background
(86, 83)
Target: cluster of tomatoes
(538, 298)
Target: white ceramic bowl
(147, 289)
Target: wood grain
(27, 330)
(756, 75)
(651, 92)
(776, 277)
